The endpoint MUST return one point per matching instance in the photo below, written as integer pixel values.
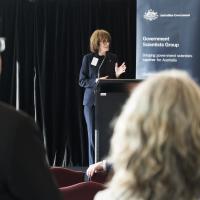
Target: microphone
(98, 73)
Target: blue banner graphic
(168, 36)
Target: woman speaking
(99, 64)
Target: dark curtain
(47, 39)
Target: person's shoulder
(9, 112)
(104, 194)
(17, 122)
(89, 55)
(118, 192)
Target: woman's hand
(101, 78)
(120, 69)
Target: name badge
(94, 61)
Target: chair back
(83, 191)
(65, 177)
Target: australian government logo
(151, 15)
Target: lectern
(110, 94)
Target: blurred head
(100, 40)
(156, 143)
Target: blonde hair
(155, 148)
(98, 36)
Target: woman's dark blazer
(89, 73)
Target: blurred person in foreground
(24, 173)
(155, 147)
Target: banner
(168, 36)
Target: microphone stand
(98, 74)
